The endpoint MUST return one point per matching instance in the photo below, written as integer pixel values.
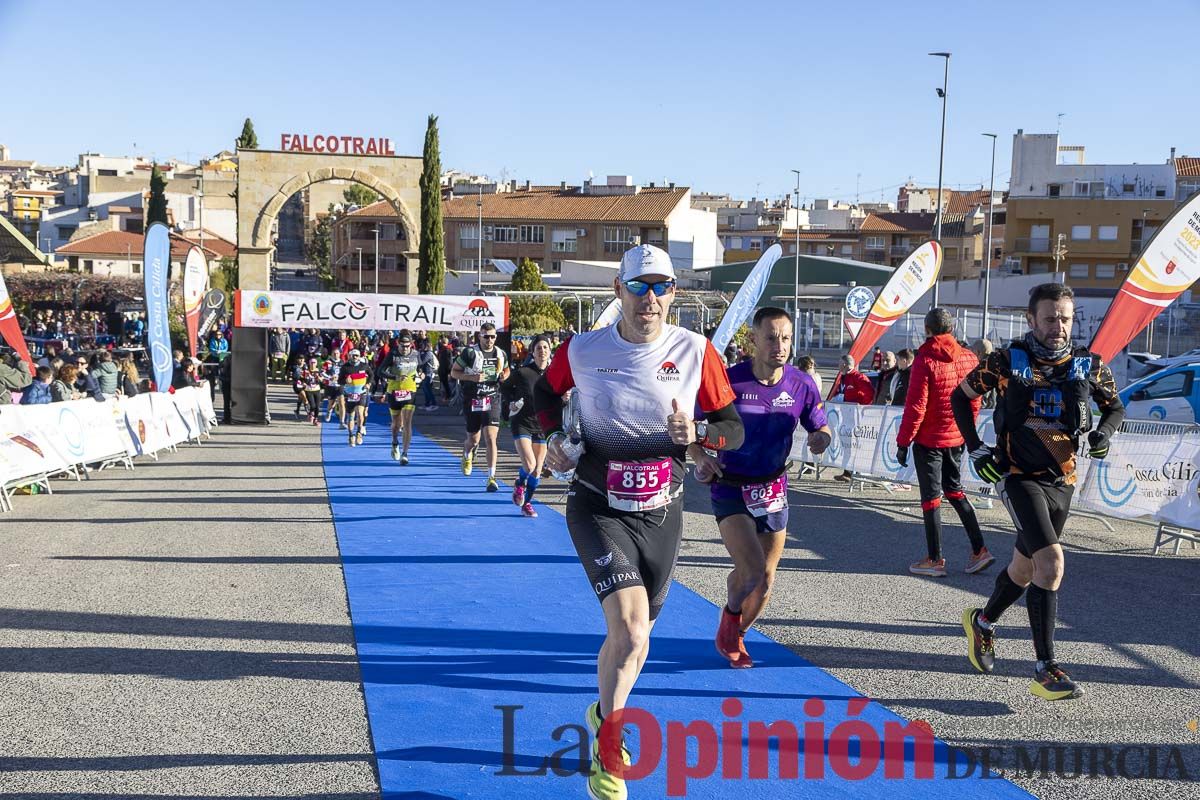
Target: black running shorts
(1039, 510)
(619, 549)
(478, 419)
(527, 427)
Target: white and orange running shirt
(626, 392)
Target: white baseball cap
(645, 259)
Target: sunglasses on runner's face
(639, 288)
(487, 336)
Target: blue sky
(724, 97)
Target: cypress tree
(431, 277)
(157, 210)
(248, 140)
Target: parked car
(1171, 394)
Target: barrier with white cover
(42, 440)
(1147, 475)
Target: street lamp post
(359, 249)
(987, 253)
(796, 264)
(376, 258)
(941, 159)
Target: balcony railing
(875, 254)
(1027, 245)
(901, 249)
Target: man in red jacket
(928, 427)
(856, 387)
(853, 387)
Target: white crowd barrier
(1148, 475)
(43, 440)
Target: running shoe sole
(980, 566)
(403, 460)
(930, 572)
(968, 621)
(1038, 690)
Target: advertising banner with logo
(10, 327)
(195, 284)
(908, 284)
(254, 309)
(210, 311)
(746, 299)
(609, 316)
(1168, 266)
(157, 260)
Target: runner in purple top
(749, 484)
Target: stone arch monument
(266, 179)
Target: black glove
(1097, 444)
(984, 461)
(902, 455)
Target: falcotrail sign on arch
(347, 310)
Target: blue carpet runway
(460, 605)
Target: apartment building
(1089, 221)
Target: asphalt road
(182, 631)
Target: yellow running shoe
(1051, 683)
(602, 785)
(468, 461)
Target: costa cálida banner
(195, 284)
(746, 298)
(334, 310)
(212, 310)
(1168, 266)
(157, 260)
(908, 284)
(10, 327)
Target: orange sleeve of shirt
(715, 392)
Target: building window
(735, 243)
(1187, 189)
(468, 233)
(951, 253)
(505, 233)
(1080, 271)
(1127, 188)
(562, 240)
(1106, 271)
(533, 234)
(1039, 267)
(1053, 190)
(847, 249)
(874, 242)
(1160, 192)
(756, 244)
(66, 231)
(466, 265)
(87, 266)
(1083, 189)
(1106, 233)
(654, 236)
(616, 240)
(137, 268)
(388, 263)
(556, 266)
(1081, 233)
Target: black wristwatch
(701, 432)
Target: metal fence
(825, 330)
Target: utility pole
(1060, 250)
(376, 258)
(479, 259)
(987, 253)
(941, 160)
(359, 249)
